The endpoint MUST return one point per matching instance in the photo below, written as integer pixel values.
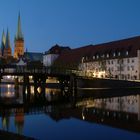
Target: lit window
(93, 57)
(97, 56)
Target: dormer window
(114, 54)
(107, 55)
(126, 52)
(103, 56)
(119, 53)
(83, 59)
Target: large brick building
(118, 59)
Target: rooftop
(119, 48)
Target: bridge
(66, 78)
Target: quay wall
(106, 83)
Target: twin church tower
(5, 50)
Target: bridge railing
(12, 69)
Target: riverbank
(11, 136)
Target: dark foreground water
(79, 117)
(43, 127)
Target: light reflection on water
(7, 90)
(81, 118)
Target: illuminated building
(117, 60)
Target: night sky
(73, 23)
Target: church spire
(7, 44)
(19, 41)
(19, 34)
(3, 37)
(3, 43)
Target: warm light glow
(30, 77)
(39, 89)
(26, 91)
(8, 92)
(49, 90)
(32, 89)
(52, 80)
(8, 76)
(98, 74)
(9, 86)
(101, 74)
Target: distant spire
(19, 34)
(7, 44)
(3, 37)
(3, 40)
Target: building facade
(50, 56)
(118, 60)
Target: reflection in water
(120, 112)
(7, 90)
(19, 121)
(52, 94)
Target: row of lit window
(119, 61)
(111, 69)
(108, 55)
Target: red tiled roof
(74, 56)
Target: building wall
(48, 59)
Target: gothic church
(5, 50)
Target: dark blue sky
(73, 23)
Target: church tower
(7, 50)
(19, 41)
